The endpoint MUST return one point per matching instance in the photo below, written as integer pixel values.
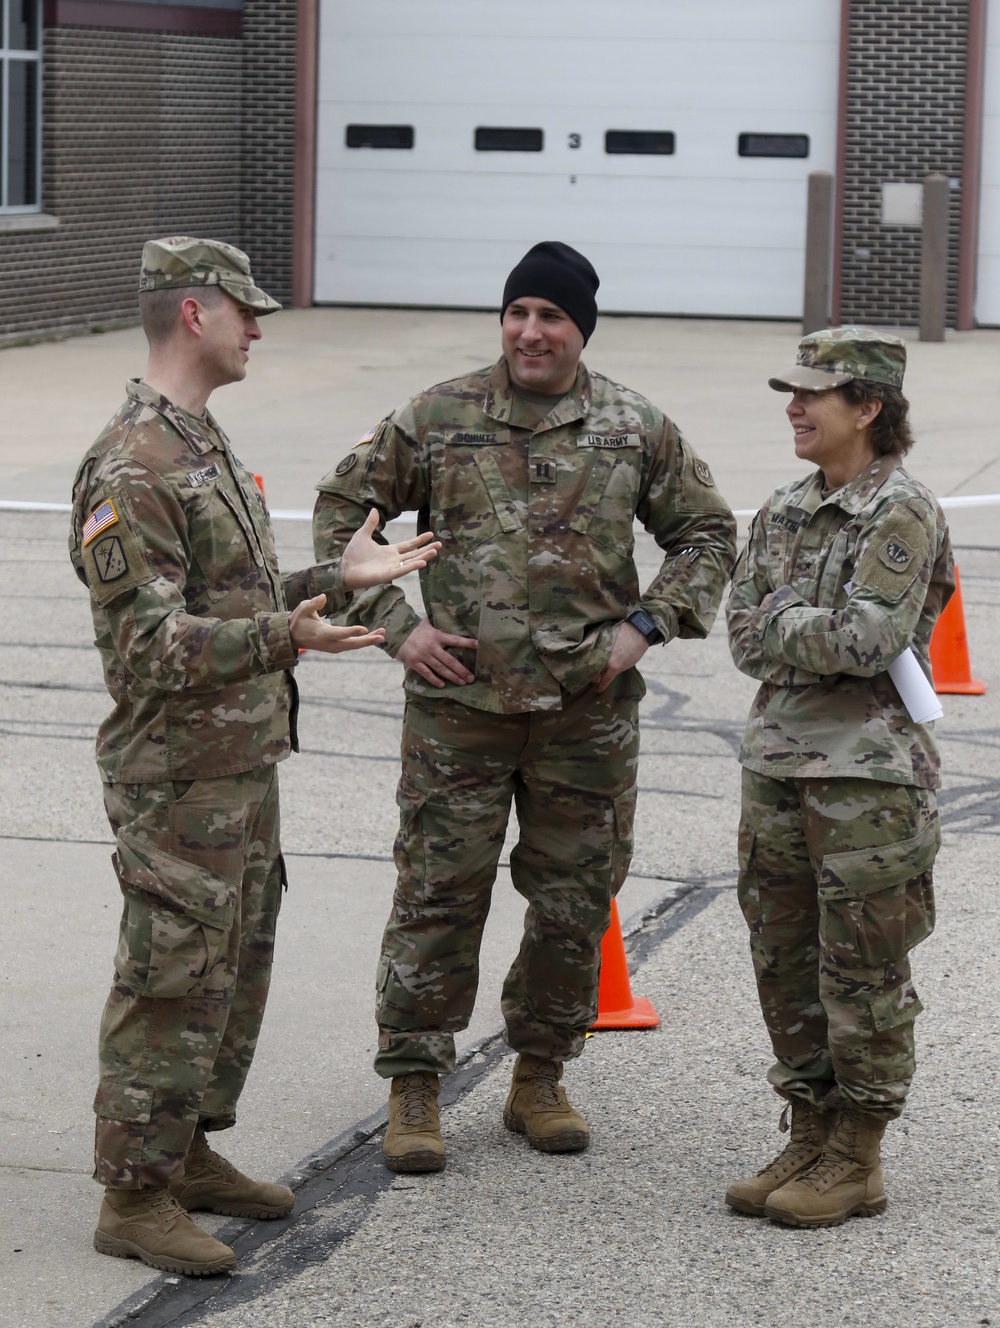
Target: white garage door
(988, 272)
(666, 142)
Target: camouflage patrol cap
(837, 355)
(181, 260)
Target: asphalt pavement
(634, 1231)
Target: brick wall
(141, 138)
(906, 86)
(268, 158)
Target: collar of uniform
(499, 399)
(855, 496)
(197, 433)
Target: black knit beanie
(555, 272)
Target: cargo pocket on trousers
(896, 1007)
(621, 849)
(747, 885)
(178, 917)
(395, 1007)
(878, 903)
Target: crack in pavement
(349, 1172)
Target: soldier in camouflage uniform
(520, 682)
(192, 622)
(843, 571)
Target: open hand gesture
(365, 563)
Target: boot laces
(803, 1142)
(203, 1156)
(165, 1205)
(837, 1159)
(415, 1101)
(547, 1090)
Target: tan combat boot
(808, 1135)
(413, 1140)
(152, 1226)
(537, 1108)
(212, 1184)
(844, 1181)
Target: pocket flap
(865, 871)
(593, 491)
(496, 487)
(196, 891)
(892, 1008)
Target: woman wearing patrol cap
(843, 571)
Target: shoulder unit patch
(895, 554)
(110, 561)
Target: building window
(509, 140)
(639, 142)
(379, 136)
(773, 145)
(20, 105)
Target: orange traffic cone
(259, 481)
(616, 1006)
(950, 650)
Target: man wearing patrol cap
(521, 682)
(198, 634)
(843, 571)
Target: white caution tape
(305, 514)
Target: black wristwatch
(643, 623)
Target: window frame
(9, 56)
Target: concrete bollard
(934, 258)
(816, 301)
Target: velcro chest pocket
(223, 543)
(606, 506)
(475, 502)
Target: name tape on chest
(611, 441)
(100, 519)
(473, 439)
(784, 522)
(196, 478)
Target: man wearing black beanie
(521, 683)
(557, 273)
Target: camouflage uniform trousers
(835, 885)
(200, 868)
(571, 774)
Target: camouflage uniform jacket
(189, 608)
(536, 528)
(827, 707)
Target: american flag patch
(97, 521)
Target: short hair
(890, 429)
(159, 310)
